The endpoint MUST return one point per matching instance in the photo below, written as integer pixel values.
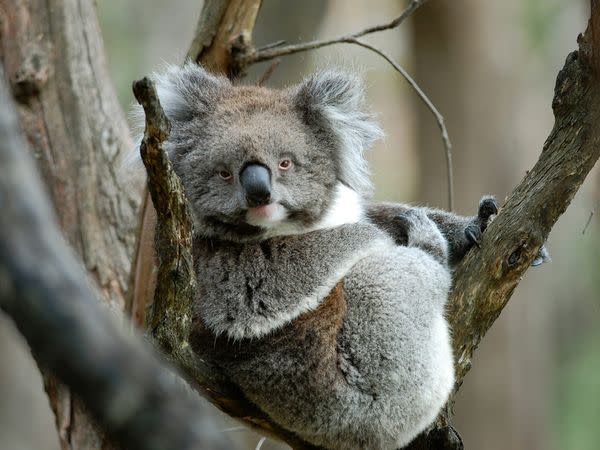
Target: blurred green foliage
(540, 19)
(577, 407)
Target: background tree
(33, 86)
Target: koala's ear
(337, 99)
(188, 91)
(185, 93)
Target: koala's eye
(285, 164)
(225, 174)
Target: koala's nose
(256, 181)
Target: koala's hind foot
(423, 233)
(488, 209)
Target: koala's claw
(542, 256)
(472, 233)
(488, 208)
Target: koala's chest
(305, 349)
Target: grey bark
(136, 398)
(53, 57)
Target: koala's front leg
(460, 232)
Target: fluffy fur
(325, 310)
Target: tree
(74, 127)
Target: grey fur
(337, 100)
(320, 124)
(316, 311)
(251, 289)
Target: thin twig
(587, 224)
(271, 45)
(270, 52)
(260, 443)
(268, 73)
(438, 116)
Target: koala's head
(259, 162)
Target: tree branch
(275, 51)
(43, 288)
(224, 31)
(53, 56)
(485, 280)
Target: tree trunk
(53, 57)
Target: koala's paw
(488, 208)
(541, 257)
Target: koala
(326, 310)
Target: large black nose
(256, 181)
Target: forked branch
(274, 51)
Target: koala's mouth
(266, 216)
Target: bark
(53, 57)
(486, 279)
(224, 31)
(136, 398)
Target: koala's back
(365, 369)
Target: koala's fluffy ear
(338, 99)
(185, 93)
(188, 91)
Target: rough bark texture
(53, 57)
(486, 279)
(136, 398)
(224, 30)
(176, 281)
